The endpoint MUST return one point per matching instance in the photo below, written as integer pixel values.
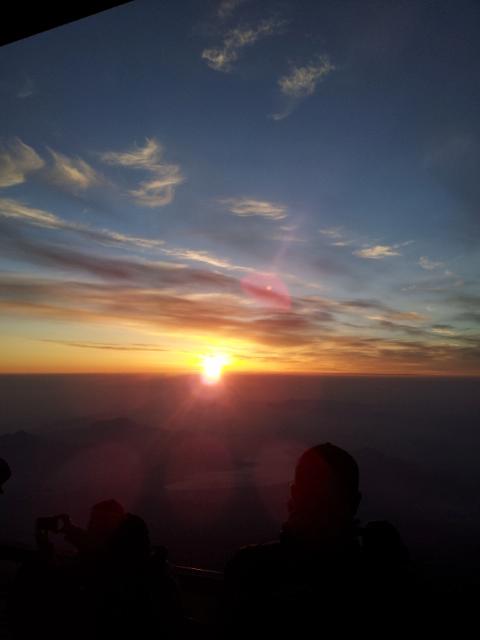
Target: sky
(293, 185)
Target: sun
(212, 367)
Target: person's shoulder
(254, 553)
(382, 543)
(253, 558)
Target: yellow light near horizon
(212, 368)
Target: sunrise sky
(293, 185)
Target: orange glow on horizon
(181, 356)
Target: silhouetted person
(116, 585)
(325, 570)
(5, 473)
(43, 593)
(8, 552)
(136, 592)
(105, 519)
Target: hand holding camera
(53, 524)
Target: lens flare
(212, 367)
(267, 289)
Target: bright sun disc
(212, 368)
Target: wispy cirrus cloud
(13, 209)
(379, 311)
(205, 257)
(27, 89)
(73, 173)
(134, 346)
(244, 207)
(336, 236)
(227, 7)
(235, 40)
(157, 191)
(152, 307)
(333, 233)
(17, 160)
(429, 265)
(378, 252)
(142, 272)
(448, 280)
(444, 330)
(147, 157)
(301, 82)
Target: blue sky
(295, 184)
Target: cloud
(301, 83)
(444, 330)
(248, 207)
(146, 273)
(117, 303)
(429, 265)
(227, 7)
(377, 252)
(222, 59)
(199, 304)
(443, 283)
(335, 233)
(466, 301)
(342, 243)
(203, 256)
(382, 312)
(337, 236)
(391, 317)
(107, 346)
(159, 190)
(147, 157)
(466, 307)
(403, 356)
(309, 336)
(14, 209)
(27, 90)
(16, 161)
(469, 316)
(74, 173)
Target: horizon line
(310, 374)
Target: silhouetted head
(5, 473)
(105, 519)
(324, 495)
(131, 541)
